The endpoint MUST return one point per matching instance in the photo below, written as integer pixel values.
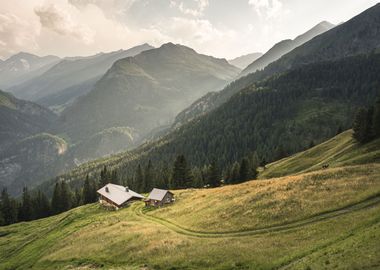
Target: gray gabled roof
(158, 194)
(118, 194)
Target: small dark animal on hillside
(325, 166)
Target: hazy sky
(223, 28)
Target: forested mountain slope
(19, 119)
(285, 46)
(275, 117)
(145, 91)
(360, 34)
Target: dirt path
(369, 202)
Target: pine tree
(376, 119)
(362, 125)
(244, 170)
(26, 208)
(77, 198)
(255, 163)
(8, 208)
(181, 177)
(87, 191)
(140, 179)
(149, 180)
(214, 175)
(115, 178)
(234, 174)
(41, 205)
(56, 201)
(66, 197)
(104, 177)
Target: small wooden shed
(159, 197)
(117, 196)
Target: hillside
(22, 67)
(19, 119)
(276, 118)
(359, 35)
(70, 78)
(31, 161)
(243, 61)
(285, 46)
(268, 224)
(145, 91)
(341, 150)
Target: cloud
(111, 8)
(16, 34)
(60, 21)
(197, 33)
(266, 8)
(193, 7)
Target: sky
(222, 28)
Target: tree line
(366, 125)
(36, 205)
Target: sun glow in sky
(222, 28)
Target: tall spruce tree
(214, 175)
(376, 119)
(41, 205)
(56, 200)
(140, 179)
(149, 178)
(245, 170)
(181, 177)
(66, 197)
(8, 208)
(87, 191)
(362, 125)
(26, 207)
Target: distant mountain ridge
(285, 46)
(243, 61)
(22, 67)
(70, 78)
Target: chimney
(126, 189)
(107, 190)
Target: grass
(342, 150)
(320, 219)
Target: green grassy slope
(265, 224)
(342, 150)
(324, 219)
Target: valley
(290, 219)
(180, 135)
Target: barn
(159, 197)
(117, 196)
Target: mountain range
(145, 91)
(243, 61)
(285, 46)
(53, 88)
(275, 113)
(141, 99)
(22, 67)
(214, 99)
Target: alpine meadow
(190, 134)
